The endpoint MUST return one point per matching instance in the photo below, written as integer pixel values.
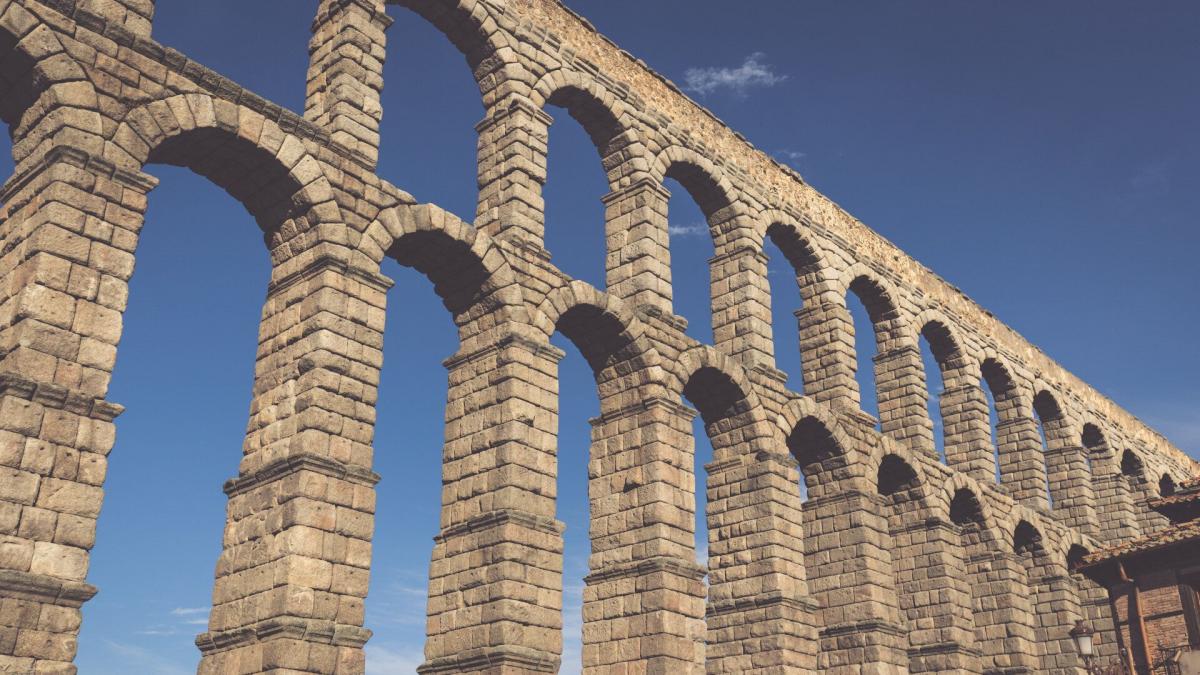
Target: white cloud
(752, 73)
(687, 230)
(393, 659)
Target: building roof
(1171, 536)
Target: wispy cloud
(754, 72)
(393, 659)
(790, 155)
(687, 230)
(141, 660)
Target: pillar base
(508, 660)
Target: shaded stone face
(896, 563)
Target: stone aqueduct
(897, 562)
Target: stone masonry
(897, 562)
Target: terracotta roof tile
(1175, 534)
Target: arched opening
(793, 271)
(941, 358)
(895, 476)
(410, 432)
(1001, 393)
(188, 335)
(870, 308)
(1093, 445)
(694, 210)
(1050, 424)
(578, 403)
(1166, 485)
(431, 106)
(575, 184)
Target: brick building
(1153, 583)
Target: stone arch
(881, 302)
(602, 115)
(813, 417)
(42, 85)
(802, 252)
(476, 33)
(468, 272)
(704, 180)
(716, 384)
(268, 170)
(602, 328)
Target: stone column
(849, 562)
(968, 432)
(1057, 607)
(292, 577)
(1004, 619)
(760, 616)
(70, 226)
(512, 170)
(639, 255)
(1114, 503)
(643, 602)
(741, 305)
(1070, 480)
(345, 73)
(134, 16)
(827, 353)
(1022, 468)
(936, 602)
(904, 399)
(495, 590)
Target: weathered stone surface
(896, 563)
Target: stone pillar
(292, 577)
(1070, 480)
(345, 73)
(1057, 607)
(904, 399)
(741, 305)
(760, 617)
(134, 16)
(936, 602)
(639, 255)
(512, 170)
(968, 432)
(849, 560)
(1114, 503)
(495, 590)
(70, 226)
(643, 602)
(1004, 619)
(827, 354)
(1022, 467)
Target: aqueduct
(898, 561)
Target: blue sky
(1041, 156)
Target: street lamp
(1082, 634)
(1084, 638)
